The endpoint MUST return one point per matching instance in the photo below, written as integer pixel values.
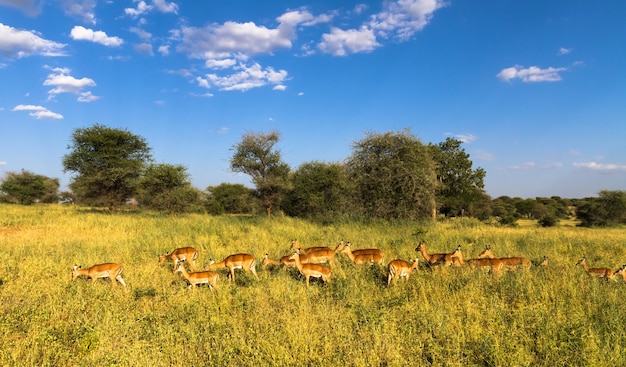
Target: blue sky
(536, 89)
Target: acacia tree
(27, 187)
(107, 163)
(319, 190)
(461, 187)
(167, 187)
(393, 175)
(256, 156)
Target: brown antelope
(108, 270)
(198, 277)
(441, 258)
(364, 256)
(321, 255)
(245, 262)
(621, 271)
(605, 273)
(188, 254)
(400, 269)
(284, 261)
(295, 246)
(455, 258)
(544, 261)
(507, 262)
(495, 265)
(311, 270)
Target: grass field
(554, 316)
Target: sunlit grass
(451, 317)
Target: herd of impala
(309, 262)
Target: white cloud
(141, 9)
(82, 9)
(144, 35)
(399, 19)
(466, 138)
(220, 64)
(601, 167)
(246, 78)
(164, 50)
(20, 43)
(144, 48)
(564, 51)
(84, 34)
(165, 7)
(403, 18)
(531, 74)
(523, 166)
(280, 87)
(38, 112)
(65, 83)
(3, 163)
(29, 7)
(340, 43)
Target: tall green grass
(554, 316)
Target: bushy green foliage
(27, 187)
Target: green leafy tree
(319, 191)
(609, 208)
(461, 187)
(393, 175)
(27, 187)
(167, 187)
(231, 199)
(106, 164)
(255, 155)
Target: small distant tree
(167, 187)
(460, 186)
(231, 199)
(27, 187)
(255, 155)
(106, 164)
(609, 208)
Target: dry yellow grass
(449, 317)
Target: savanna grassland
(546, 316)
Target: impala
(364, 256)
(400, 269)
(311, 270)
(544, 261)
(439, 259)
(199, 277)
(495, 265)
(605, 273)
(508, 262)
(321, 255)
(245, 262)
(295, 246)
(621, 271)
(108, 270)
(188, 254)
(284, 261)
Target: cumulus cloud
(601, 167)
(85, 34)
(340, 43)
(165, 7)
(247, 77)
(141, 9)
(81, 9)
(399, 20)
(38, 112)
(144, 48)
(531, 74)
(65, 83)
(16, 43)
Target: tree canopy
(393, 175)
(27, 187)
(106, 163)
(255, 155)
